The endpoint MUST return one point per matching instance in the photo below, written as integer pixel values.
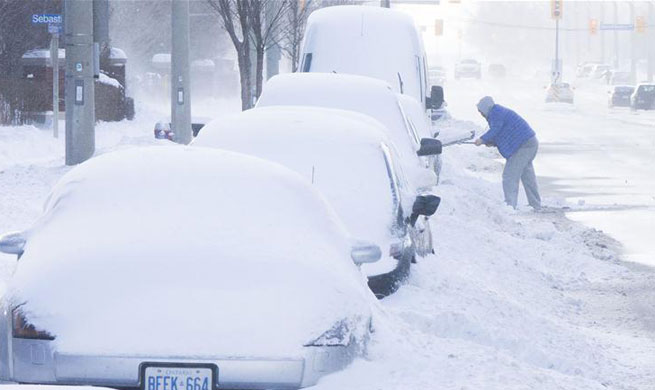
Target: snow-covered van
(368, 41)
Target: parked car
(497, 71)
(559, 92)
(364, 95)
(469, 68)
(184, 265)
(643, 97)
(350, 160)
(369, 41)
(620, 96)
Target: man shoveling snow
(516, 141)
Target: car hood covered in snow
(187, 251)
(338, 151)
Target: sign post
(556, 13)
(54, 22)
(54, 57)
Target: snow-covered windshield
(337, 151)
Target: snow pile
(237, 256)
(511, 300)
(104, 79)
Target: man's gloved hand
(479, 142)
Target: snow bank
(187, 251)
(109, 81)
(511, 300)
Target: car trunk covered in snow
(178, 251)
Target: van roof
(348, 39)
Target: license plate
(178, 376)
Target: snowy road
(590, 155)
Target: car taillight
(24, 330)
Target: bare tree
(296, 20)
(268, 18)
(235, 16)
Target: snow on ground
(511, 300)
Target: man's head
(485, 104)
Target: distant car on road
(599, 71)
(497, 71)
(195, 266)
(620, 96)
(643, 98)
(437, 75)
(559, 92)
(349, 159)
(469, 68)
(620, 78)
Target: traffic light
(593, 26)
(438, 27)
(556, 9)
(640, 24)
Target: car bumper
(35, 362)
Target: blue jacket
(507, 130)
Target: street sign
(617, 27)
(55, 29)
(47, 19)
(556, 9)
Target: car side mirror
(424, 205)
(12, 243)
(436, 99)
(365, 252)
(429, 147)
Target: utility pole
(650, 34)
(180, 73)
(602, 33)
(556, 13)
(633, 46)
(616, 61)
(80, 92)
(54, 59)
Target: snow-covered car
(169, 265)
(620, 96)
(350, 160)
(559, 92)
(424, 126)
(643, 97)
(469, 68)
(375, 42)
(364, 95)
